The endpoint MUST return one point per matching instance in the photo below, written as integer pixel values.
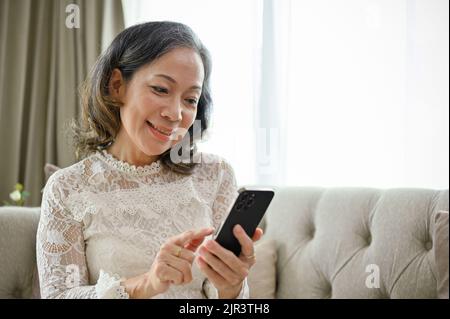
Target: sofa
(318, 243)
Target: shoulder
(66, 180)
(213, 166)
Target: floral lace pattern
(155, 167)
(108, 287)
(103, 219)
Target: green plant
(18, 196)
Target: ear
(116, 85)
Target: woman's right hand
(172, 265)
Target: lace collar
(154, 167)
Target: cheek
(138, 109)
(129, 117)
(186, 122)
(188, 118)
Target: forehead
(182, 64)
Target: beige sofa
(329, 243)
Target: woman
(130, 220)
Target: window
(339, 93)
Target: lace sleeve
(60, 251)
(227, 193)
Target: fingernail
(209, 244)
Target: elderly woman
(132, 220)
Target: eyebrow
(194, 87)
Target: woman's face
(160, 101)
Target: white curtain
(324, 92)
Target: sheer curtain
(324, 92)
(368, 93)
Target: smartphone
(247, 211)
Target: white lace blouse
(103, 219)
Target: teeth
(162, 132)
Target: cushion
(441, 253)
(262, 276)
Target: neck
(125, 150)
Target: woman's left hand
(223, 268)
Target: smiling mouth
(160, 130)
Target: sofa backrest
(18, 273)
(330, 243)
(354, 242)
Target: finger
(181, 265)
(221, 268)
(245, 241)
(216, 279)
(194, 244)
(187, 236)
(179, 252)
(228, 257)
(167, 273)
(258, 234)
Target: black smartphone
(247, 211)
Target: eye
(160, 90)
(192, 101)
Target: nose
(172, 111)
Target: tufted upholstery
(18, 273)
(325, 239)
